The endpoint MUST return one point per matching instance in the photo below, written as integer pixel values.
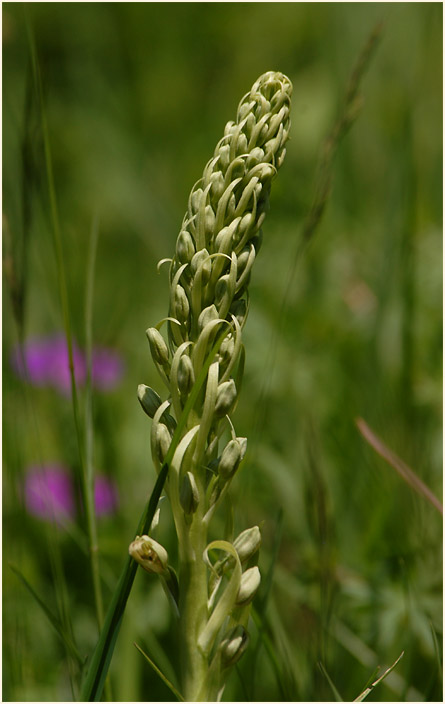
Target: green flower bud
(206, 316)
(250, 581)
(217, 181)
(226, 350)
(232, 455)
(158, 346)
(247, 543)
(185, 248)
(201, 259)
(230, 128)
(225, 398)
(181, 303)
(239, 310)
(224, 157)
(250, 123)
(233, 646)
(209, 221)
(149, 399)
(242, 260)
(149, 554)
(231, 207)
(189, 494)
(195, 199)
(241, 144)
(163, 440)
(186, 375)
(221, 288)
(255, 157)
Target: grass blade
(399, 465)
(88, 470)
(369, 689)
(55, 622)
(93, 684)
(334, 689)
(171, 687)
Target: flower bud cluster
(221, 231)
(210, 271)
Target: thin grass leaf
(436, 650)
(399, 465)
(367, 657)
(171, 687)
(88, 469)
(349, 112)
(94, 681)
(334, 689)
(368, 690)
(55, 622)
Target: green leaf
(166, 681)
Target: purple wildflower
(107, 368)
(45, 362)
(105, 496)
(49, 494)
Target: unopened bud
(233, 646)
(224, 154)
(186, 375)
(189, 494)
(250, 581)
(242, 260)
(209, 220)
(163, 440)
(149, 399)
(182, 305)
(221, 288)
(241, 144)
(255, 157)
(225, 398)
(206, 316)
(195, 199)
(202, 259)
(230, 458)
(226, 350)
(185, 248)
(247, 543)
(217, 181)
(158, 346)
(239, 310)
(149, 554)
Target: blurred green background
(137, 95)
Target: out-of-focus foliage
(137, 95)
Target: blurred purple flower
(49, 494)
(45, 362)
(107, 368)
(105, 496)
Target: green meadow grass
(343, 324)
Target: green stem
(193, 609)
